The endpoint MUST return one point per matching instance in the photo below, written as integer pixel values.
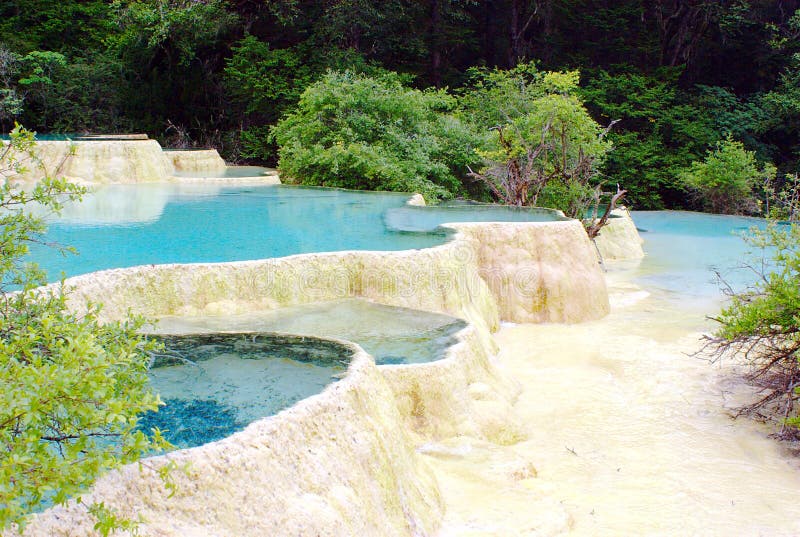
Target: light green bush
(371, 132)
(726, 177)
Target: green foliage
(659, 133)
(177, 28)
(68, 26)
(545, 147)
(783, 202)
(109, 522)
(726, 178)
(492, 96)
(48, 90)
(363, 132)
(775, 302)
(72, 386)
(39, 65)
(779, 126)
(87, 96)
(265, 80)
(265, 83)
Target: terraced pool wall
(195, 160)
(107, 161)
(619, 239)
(532, 272)
(128, 159)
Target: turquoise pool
(685, 249)
(214, 385)
(218, 374)
(129, 225)
(141, 224)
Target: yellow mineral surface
(99, 162)
(625, 433)
(194, 160)
(618, 239)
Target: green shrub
(726, 178)
(370, 132)
(762, 325)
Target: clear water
(139, 224)
(219, 374)
(216, 384)
(230, 172)
(685, 250)
(390, 334)
(424, 219)
(129, 225)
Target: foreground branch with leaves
(72, 386)
(762, 326)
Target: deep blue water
(216, 384)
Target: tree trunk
(513, 33)
(682, 24)
(521, 15)
(436, 43)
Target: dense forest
(679, 75)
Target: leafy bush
(544, 148)
(370, 132)
(726, 178)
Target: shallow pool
(129, 225)
(218, 374)
(392, 335)
(686, 250)
(216, 384)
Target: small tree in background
(72, 387)
(783, 203)
(726, 177)
(544, 148)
